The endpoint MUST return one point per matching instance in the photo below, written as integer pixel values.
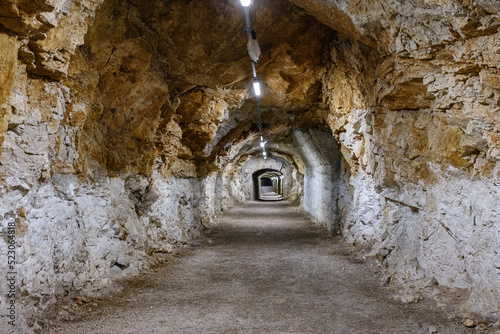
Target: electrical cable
(254, 53)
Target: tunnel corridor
(129, 129)
(268, 185)
(265, 268)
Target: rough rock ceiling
(164, 65)
(171, 79)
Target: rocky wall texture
(83, 221)
(427, 237)
(124, 125)
(79, 234)
(81, 238)
(420, 166)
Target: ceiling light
(256, 86)
(245, 3)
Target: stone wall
(420, 190)
(125, 125)
(85, 216)
(426, 235)
(79, 233)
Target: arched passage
(268, 185)
(127, 129)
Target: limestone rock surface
(126, 125)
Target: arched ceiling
(146, 90)
(166, 80)
(174, 79)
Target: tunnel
(129, 127)
(268, 185)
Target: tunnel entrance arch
(268, 185)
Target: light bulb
(256, 87)
(245, 3)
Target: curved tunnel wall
(69, 147)
(321, 156)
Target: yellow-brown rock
(8, 67)
(19, 16)
(112, 108)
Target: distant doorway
(268, 185)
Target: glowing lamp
(256, 87)
(245, 3)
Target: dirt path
(265, 269)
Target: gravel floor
(265, 269)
